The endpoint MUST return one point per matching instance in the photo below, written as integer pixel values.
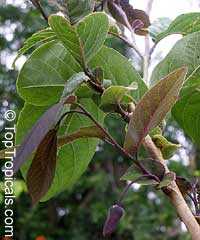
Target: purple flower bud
(137, 24)
(118, 13)
(114, 216)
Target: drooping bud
(114, 216)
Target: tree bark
(174, 194)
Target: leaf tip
(184, 70)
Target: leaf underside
(152, 108)
(42, 170)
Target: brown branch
(173, 191)
(174, 194)
(37, 4)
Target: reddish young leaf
(42, 169)
(152, 108)
(35, 135)
(136, 14)
(84, 132)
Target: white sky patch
(170, 9)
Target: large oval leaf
(119, 70)
(36, 38)
(183, 24)
(152, 108)
(93, 31)
(84, 41)
(68, 36)
(73, 158)
(43, 76)
(158, 26)
(187, 114)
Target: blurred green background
(79, 213)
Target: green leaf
(153, 166)
(167, 148)
(184, 24)
(73, 158)
(36, 38)
(42, 170)
(155, 131)
(42, 78)
(152, 108)
(187, 113)
(185, 53)
(167, 180)
(159, 26)
(113, 96)
(92, 31)
(119, 70)
(68, 36)
(84, 41)
(77, 9)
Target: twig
(101, 4)
(113, 141)
(152, 49)
(94, 82)
(174, 194)
(117, 146)
(39, 7)
(131, 45)
(119, 202)
(147, 55)
(57, 125)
